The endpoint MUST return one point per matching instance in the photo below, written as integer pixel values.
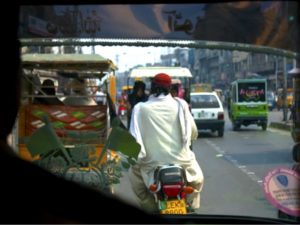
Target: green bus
(248, 103)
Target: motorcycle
(122, 110)
(170, 189)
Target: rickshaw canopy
(152, 71)
(81, 63)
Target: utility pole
(276, 73)
(284, 91)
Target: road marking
(243, 168)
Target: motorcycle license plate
(173, 207)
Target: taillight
(172, 190)
(122, 107)
(188, 190)
(153, 187)
(220, 116)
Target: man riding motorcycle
(164, 127)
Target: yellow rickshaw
(127, 88)
(73, 124)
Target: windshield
(204, 101)
(219, 43)
(251, 92)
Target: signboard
(252, 92)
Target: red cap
(162, 79)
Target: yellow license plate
(174, 207)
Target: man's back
(159, 120)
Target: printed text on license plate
(175, 207)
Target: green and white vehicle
(248, 103)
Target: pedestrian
(164, 127)
(292, 113)
(138, 95)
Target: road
(234, 167)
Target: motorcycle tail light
(122, 107)
(220, 116)
(153, 187)
(188, 190)
(172, 190)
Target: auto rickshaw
(201, 87)
(248, 103)
(181, 73)
(79, 131)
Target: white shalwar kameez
(164, 127)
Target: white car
(208, 112)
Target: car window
(204, 101)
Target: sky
(126, 57)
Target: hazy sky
(126, 57)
